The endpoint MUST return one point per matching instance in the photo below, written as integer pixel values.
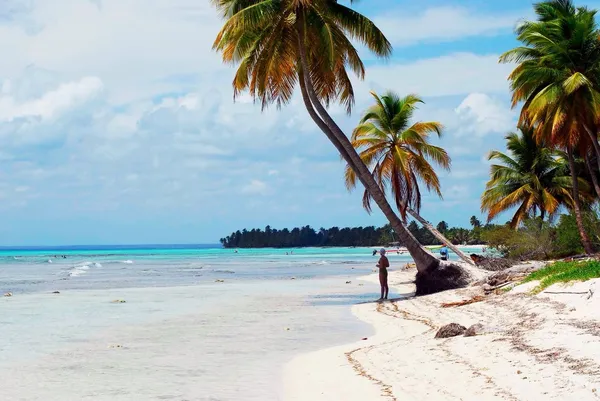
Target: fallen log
(477, 298)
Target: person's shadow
(401, 297)
(355, 299)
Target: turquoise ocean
(34, 269)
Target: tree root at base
(446, 276)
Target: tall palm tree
(398, 154)
(279, 43)
(557, 78)
(531, 176)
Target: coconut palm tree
(280, 43)
(475, 223)
(557, 79)
(398, 154)
(531, 177)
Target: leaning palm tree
(531, 178)
(280, 43)
(558, 81)
(398, 154)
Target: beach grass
(564, 272)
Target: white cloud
(480, 115)
(442, 24)
(125, 107)
(448, 75)
(51, 103)
(128, 43)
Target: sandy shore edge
(535, 347)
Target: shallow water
(180, 335)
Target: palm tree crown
(558, 74)
(262, 37)
(277, 44)
(557, 78)
(532, 177)
(396, 152)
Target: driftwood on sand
(515, 273)
(454, 275)
(476, 298)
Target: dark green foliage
(422, 234)
(475, 222)
(307, 236)
(533, 240)
(334, 236)
(567, 240)
(567, 237)
(537, 239)
(442, 226)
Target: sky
(118, 125)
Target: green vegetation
(564, 272)
(552, 165)
(279, 44)
(557, 82)
(348, 236)
(538, 239)
(308, 237)
(399, 156)
(532, 177)
(398, 153)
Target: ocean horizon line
(107, 246)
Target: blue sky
(117, 123)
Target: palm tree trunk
(594, 139)
(414, 214)
(585, 239)
(592, 174)
(424, 260)
(439, 236)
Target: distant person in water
(444, 252)
(383, 265)
(374, 252)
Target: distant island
(306, 236)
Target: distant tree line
(307, 237)
(456, 235)
(357, 236)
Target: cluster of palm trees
(280, 44)
(554, 160)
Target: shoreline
(536, 347)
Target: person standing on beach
(383, 265)
(444, 252)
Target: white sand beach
(543, 347)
